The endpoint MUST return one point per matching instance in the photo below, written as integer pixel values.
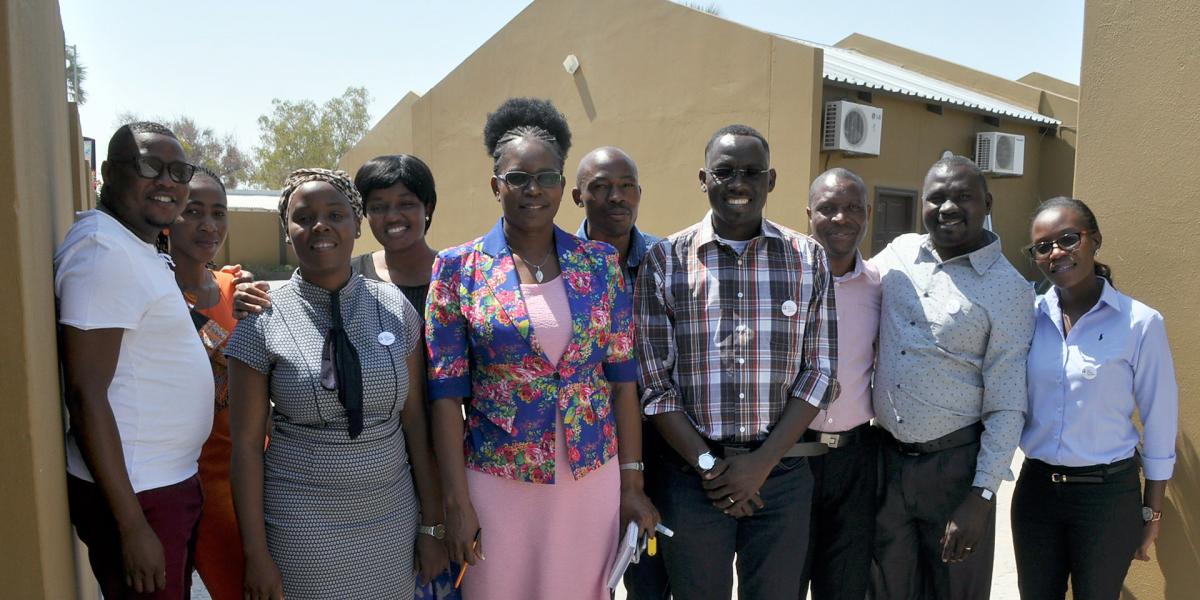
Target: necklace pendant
(538, 275)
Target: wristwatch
(705, 461)
(437, 532)
(985, 493)
(1149, 515)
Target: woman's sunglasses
(1067, 242)
(520, 179)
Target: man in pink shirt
(843, 519)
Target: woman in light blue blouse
(1097, 355)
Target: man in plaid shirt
(737, 343)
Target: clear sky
(222, 61)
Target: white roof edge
(253, 201)
(856, 69)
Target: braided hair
(1102, 270)
(340, 180)
(203, 170)
(526, 118)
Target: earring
(427, 219)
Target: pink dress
(546, 542)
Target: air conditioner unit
(852, 127)
(1000, 153)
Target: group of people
(494, 414)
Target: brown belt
(959, 437)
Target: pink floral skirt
(545, 542)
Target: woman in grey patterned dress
(329, 509)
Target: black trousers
(770, 545)
(920, 495)
(843, 522)
(1087, 532)
(647, 580)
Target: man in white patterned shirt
(955, 328)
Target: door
(895, 214)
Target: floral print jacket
(482, 348)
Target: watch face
(439, 531)
(706, 461)
(1147, 514)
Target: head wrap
(340, 180)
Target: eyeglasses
(151, 167)
(520, 179)
(727, 174)
(1067, 242)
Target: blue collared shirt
(639, 245)
(1083, 389)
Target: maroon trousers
(172, 511)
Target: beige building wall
(1051, 84)
(914, 138)
(1138, 167)
(651, 80)
(253, 239)
(39, 176)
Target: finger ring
(731, 500)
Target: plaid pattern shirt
(730, 339)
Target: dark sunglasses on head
(520, 179)
(1067, 242)
(726, 173)
(151, 167)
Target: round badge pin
(387, 338)
(953, 307)
(1089, 372)
(788, 308)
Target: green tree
(205, 147)
(76, 75)
(217, 153)
(303, 134)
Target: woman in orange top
(194, 241)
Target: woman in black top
(399, 196)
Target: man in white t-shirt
(139, 387)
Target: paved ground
(1004, 577)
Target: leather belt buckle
(1058, 478)
(830, 439)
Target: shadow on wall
(1177, 553)
(585, 94)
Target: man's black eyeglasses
(151, 167)
(520, 179)
(727, 174)
(1067, 242)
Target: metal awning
(859, 70)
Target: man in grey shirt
(950, 396)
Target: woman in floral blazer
(540, 355)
